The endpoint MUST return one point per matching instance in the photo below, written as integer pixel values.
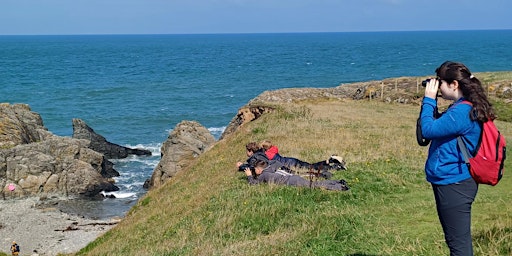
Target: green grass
(210, 209)
(503, 110)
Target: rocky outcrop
(57, 165)
(185, 143)
(34, 162)
(98, 143)
(245, 114)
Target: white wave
(118, 194)
(217, 131)
(151, 162)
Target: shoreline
(41, 229)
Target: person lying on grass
(256, 153)
(334, 163)
(262, 173)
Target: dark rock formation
(34, 162)
(185, 143)
(98, 143)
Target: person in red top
(270, 150)
(272, 153)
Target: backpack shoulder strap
(464, 150)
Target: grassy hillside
(211, 210)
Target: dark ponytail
(471, 88)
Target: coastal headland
(46, 230)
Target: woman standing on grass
(454, 189)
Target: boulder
(185, 143)
(98, 143)
(58, 165)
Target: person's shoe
(338, 162)
(344, 184)
(335, 159)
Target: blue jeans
(453, 203)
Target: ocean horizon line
(259, 33)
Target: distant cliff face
(35, 162)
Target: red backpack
(486, 164)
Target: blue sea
(134, 89)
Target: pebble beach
(41, 229)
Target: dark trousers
(453, 203)
(292, 162)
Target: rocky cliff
(34, 162)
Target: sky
(64, 17)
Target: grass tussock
(211, 210)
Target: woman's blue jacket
(445, 163)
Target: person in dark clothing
(263, 174)
(332, 164)
(255, 153)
